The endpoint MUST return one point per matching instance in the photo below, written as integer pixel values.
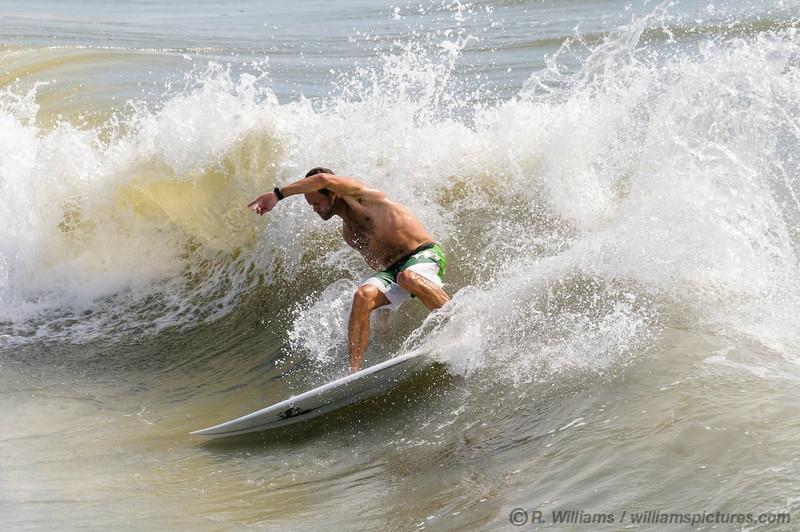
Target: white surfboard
(366, 383)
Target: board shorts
(427, 260)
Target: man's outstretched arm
(345, 186)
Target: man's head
(323, 200)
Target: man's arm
(345, 186)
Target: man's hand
(263, 203)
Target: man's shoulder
(369, 197)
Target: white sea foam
(581, 216)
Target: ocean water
(616, 186)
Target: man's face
(321, 203)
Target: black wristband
(278, 193)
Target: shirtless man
(388, 236)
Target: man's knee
(408, 280)
(366, 298)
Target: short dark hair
(321, 170)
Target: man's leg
(366, 299)
(431, 294)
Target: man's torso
(382, 231)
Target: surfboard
(363, 384)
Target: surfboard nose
(363, 384)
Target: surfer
(391, 239)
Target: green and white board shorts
(427, 260)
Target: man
(385, 233)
